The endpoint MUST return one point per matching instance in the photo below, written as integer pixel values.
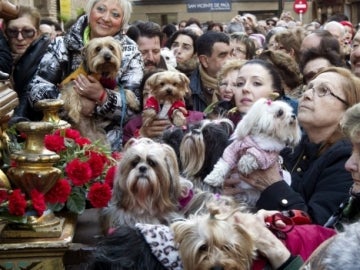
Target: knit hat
(161, 242)
(349, 24)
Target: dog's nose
(217, 267)
(107, 56)
(168, 91)
(293, 116)
(142, 169)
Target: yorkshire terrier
(102, 60)
(147, 186)
(214, 241)
(168, 90)
(267, 128)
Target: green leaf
(13, 219)
(77, 200)
(56, 207)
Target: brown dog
(102, 60)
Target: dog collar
(161, 241)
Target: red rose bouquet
(87, 172)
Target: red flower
(59, 193)
(82, 141)
(68, 133)
(96, 162)
(3, 195)
(54, 143)
(38, 202)
(78, 172)
(17, 203)
(110, 176)
(99, 195)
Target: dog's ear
(184, 81)
(84, 53)
(173, 168)
(152, 80)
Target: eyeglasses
(25, 33)
(237, 52)
(224, 85)
(324, 91)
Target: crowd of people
(315, 68)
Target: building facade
(166, 11)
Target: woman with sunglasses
(103, 18)
(319, 180)
(27, 48)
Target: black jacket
(24, 70)
(319, 183)
(6, 60)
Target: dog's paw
(179, 119)
(217, 176)
(148, 116)
(247, 164)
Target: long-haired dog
(147, 186)
(213, 241)
(143, 246)
(166, 100)
(267, 128)
(102, 60)
(200, 149)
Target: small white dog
(168, 56)
(267, 128)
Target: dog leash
(123, 104)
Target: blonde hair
(350, 123)
(230, 65)
(125, 5)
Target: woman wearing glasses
(317, 165)
(27, 47)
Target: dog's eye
(175, 84)
(135, 162)
(162, 84)
(151, 162)
(203, 247)
(280, 113)
(111, 48)
(98, 49)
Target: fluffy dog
(200, 149)
(213, 241)
(147, 186)
(168, 89)
(267, 128)
(102, 60)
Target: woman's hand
(155, 129)
(261, 179)
(89, 87)
(265, 241)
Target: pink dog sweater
(238, 148)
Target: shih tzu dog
(102, 60)
(143, 246)
(166, 100)
(147, 186)
(213, 241)
(200, 149)
(267, 128)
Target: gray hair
(124, 4)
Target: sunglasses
(25, 33)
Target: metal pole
(280, 7)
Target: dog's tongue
(108, 82)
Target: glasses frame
(329, 92)
(14, 33)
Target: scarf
(210, 86)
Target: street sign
(300, 6)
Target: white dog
(267, 128)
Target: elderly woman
(103, 18)
(27, 47)
(319, 180)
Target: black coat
(24, 70)
(319, 183)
